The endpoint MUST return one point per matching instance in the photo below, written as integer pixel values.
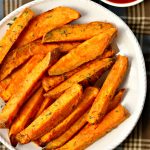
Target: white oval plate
(128, 45)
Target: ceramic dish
(128, 45)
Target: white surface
(122, 4)
(128, 45)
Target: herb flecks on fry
(14, 31)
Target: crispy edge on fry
(112, 82)
(19, 76)
(83, 53)
(26, 115)
(34, 89)
(13, 105)
(90, 133)
(52, 116)
(20, 55)
(90, 69)
(87, 99)
(68, 134)
(51, 82)
(116, 100)
(76, 32)
(46, 102)
(14, 31)
(4, 84)
(45, 22)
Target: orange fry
(26, 115)
(52, 116)
(20, 75)
(112, 82)
(76, 32)
(86, 101)
(89, 70)
(83, 53)
(13, 105)
(20, 55)
(56, 143)
(14, 31)
(90, 133)
(46, 102)
(45, 22)
(49, 83)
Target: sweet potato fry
(45, 22)
(18, 56)
(76, 32)
(26, 115)
(116, 100)
(13, 105)
(67, 46)
(90, 133)
(59, 141)
(46, 102)
(90, 81)
(87, 99)
(85, 52)
(52, 116)
(108, 53)
(20, 75)
(90, 69)
(68, 134)
(4, 84)
(112, 82)
(86, 102)
(14, 31)
(34, 89)
(49, 83)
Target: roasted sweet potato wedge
(83, 53)
(12, 107)
(26, 115)
(109, 87)
(89, 70)
(19, 77)
(45, 22)
(51, 82)
(90, 133)
(54, 114)
(87, 99)
(14, 31)
(20, 55)
(76, 32)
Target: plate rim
(140, 55)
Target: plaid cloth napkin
(138, 19)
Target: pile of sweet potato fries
(48, 71)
